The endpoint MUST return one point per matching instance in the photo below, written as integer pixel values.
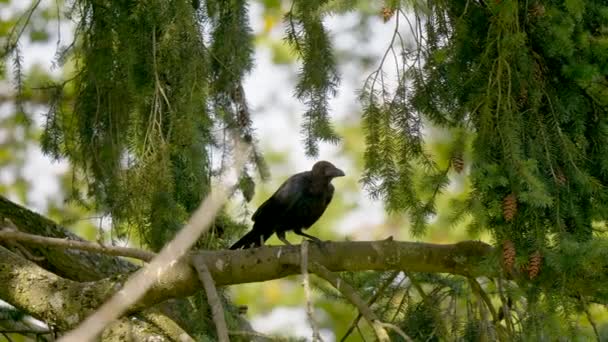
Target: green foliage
(318, 77)
(150, 95)
(518, 88)
(523, 79)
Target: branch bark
(217, 310)
(71, 264)
(63, 303)
(9, 235)
(85, 266)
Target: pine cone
(534, 264)
(458, 162)
(537, 10)
(523, 97)
(387, 13)
(560, 178)
(509, 207)
(508, 255)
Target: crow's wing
(284, 199)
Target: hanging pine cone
(508, 255)
(458, 162)
(387, 13)
(523, 97)
(534, 264)
(560, 178)
(537, 10)
(509, 207)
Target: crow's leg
(313, 238)
(281, 236)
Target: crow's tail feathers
(254, 238)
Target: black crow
(296, 205)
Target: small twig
(11, 235)
(361, 334)
(166, 324)
(256, 334)
(217, 310)
(484, 297)
(428, 301)
(10, 45)
(506, 310)
(397, 330)
(590, 319)
(371, 301)
(349, 293)
(7, 337)
(405, 296)
(316, 336)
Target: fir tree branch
(477, 289)
(351, 294)
(371, 301)
(11, 43)
(23, 283)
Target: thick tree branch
(79, 265)
(71, 264)
(63, 303)
(266, 263)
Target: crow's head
(326, 169)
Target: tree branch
(349, 293)
(11, 235)
(370, 302)
(217, 310)
(316, 336)
(83, 266)
(71, 263)
(266, 263)
(62, 302)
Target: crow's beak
(335, 172)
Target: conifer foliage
(528, 83)
(521, 86)
(151, 92)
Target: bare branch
(214, 301)
(316, 336)
(260, 264)
(11, 235)
(397, 330)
